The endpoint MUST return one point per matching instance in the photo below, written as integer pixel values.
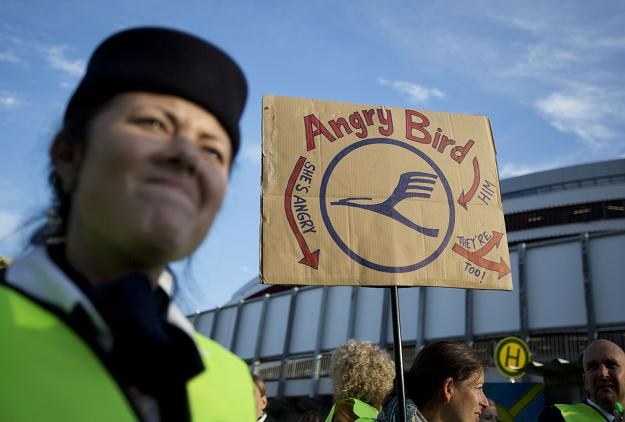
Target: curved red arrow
(501, 267)
(310, 259)
(492, 242)
(463, 252)
(478, 259)
(463, 199)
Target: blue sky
(549, 74)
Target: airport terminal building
(566, 236)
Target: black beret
(164, 61)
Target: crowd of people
(138, 171)
(446, 383)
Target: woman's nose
(484, 400)
(184, 154)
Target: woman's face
(261, 402)
(152, 178)
(467, 400)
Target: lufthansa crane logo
(408, 207)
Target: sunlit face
(261, 401)
(152, 178)
(467, 400)
(604, 373)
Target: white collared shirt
(38, 276)
(609, 416)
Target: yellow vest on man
(47, 372)
(579, 412)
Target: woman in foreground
(139, 170)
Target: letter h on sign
(510, 356)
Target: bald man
(604, 380)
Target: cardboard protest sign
(379, 196)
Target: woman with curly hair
(444, 384)
(362, 375)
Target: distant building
(566, 234)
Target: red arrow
(465, 198)
(492, 242)
(501, 267)
(477, 257)
(310, 259)
(462, 251)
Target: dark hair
(131, 60)
(311, 416)
(437, 362)
(73, 133)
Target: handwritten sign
(379, 196)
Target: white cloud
(9, 223)
(534, 20)
(417, 94)
(562, 106)
(587, 113)
(520, 50)
(610, 42)
(513, 169)
(600, 42)
(548, 57)
(251, 153)
(57, 60)
(9, 57)
(9, 101)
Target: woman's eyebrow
(208, 136)
(173, 119)
(204, 134)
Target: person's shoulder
(224, 389)
(212, 351)
(344, 411)
(554, 414)
(222, 364)
(551, 414)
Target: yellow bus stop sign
(511, 357)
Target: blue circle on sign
(353, 255)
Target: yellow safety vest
(579, 412)
(47, 372)
(364, 411)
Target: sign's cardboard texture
(379, 196)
